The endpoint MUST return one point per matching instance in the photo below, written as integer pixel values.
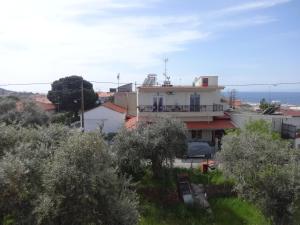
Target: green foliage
(264, 104)
(66, 118)
(159, 142)
(66, 94)
(261, 127)
(82, 187)
(27, 114)
(234, 211)
(129, 150)
(54, 175)
(266, 170)
(213, 177)
(21, 166)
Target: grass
(179, 214)
(197, 177)
(235, 211)
(226, 211)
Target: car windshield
(199, 148)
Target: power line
(262, 84)
(109, 82)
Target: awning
(213, 125)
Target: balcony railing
(181, 108)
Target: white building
(198, 105)
(109, 116)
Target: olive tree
(81, 186)
(159, 142)
(54, 175)
(266, 170)
(25, 113)
(24, 151)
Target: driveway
(188, 163)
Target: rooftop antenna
(167, 81)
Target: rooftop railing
(181, 108)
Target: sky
(242, 42)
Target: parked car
(199, 150)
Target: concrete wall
(276, 121)
(112, 120)
(241, 119)
(212, 81)
(293, 121)
(127, 100)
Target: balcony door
(158, 103)
(195, 102)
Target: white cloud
(41, 40)
(249, 6)
(45, 40)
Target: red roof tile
(290, 112)
(46, 106)
(215, 125)
(131, 123)
(104, 94)
(114, 107)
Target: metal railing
(181, 108)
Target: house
(198, 105)
(108, 116)
(104, 96)
(44, 103)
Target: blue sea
(289, 98)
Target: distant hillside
(4, 92)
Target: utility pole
(118, 77)
(82, 106)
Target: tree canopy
(22, 112)
(55, 175)
(65, 93)
(159, 142)
(266, 169)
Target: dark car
(199, 150)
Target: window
(195, 103)
(196, 134)
(157, 104)
(205, 82)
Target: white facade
(176, 101)
(195, 103)
(111, 120)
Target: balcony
(181, 108)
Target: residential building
(104, 96)
(108, 116)
(125, 88)
(44, 103)
(198, 105)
